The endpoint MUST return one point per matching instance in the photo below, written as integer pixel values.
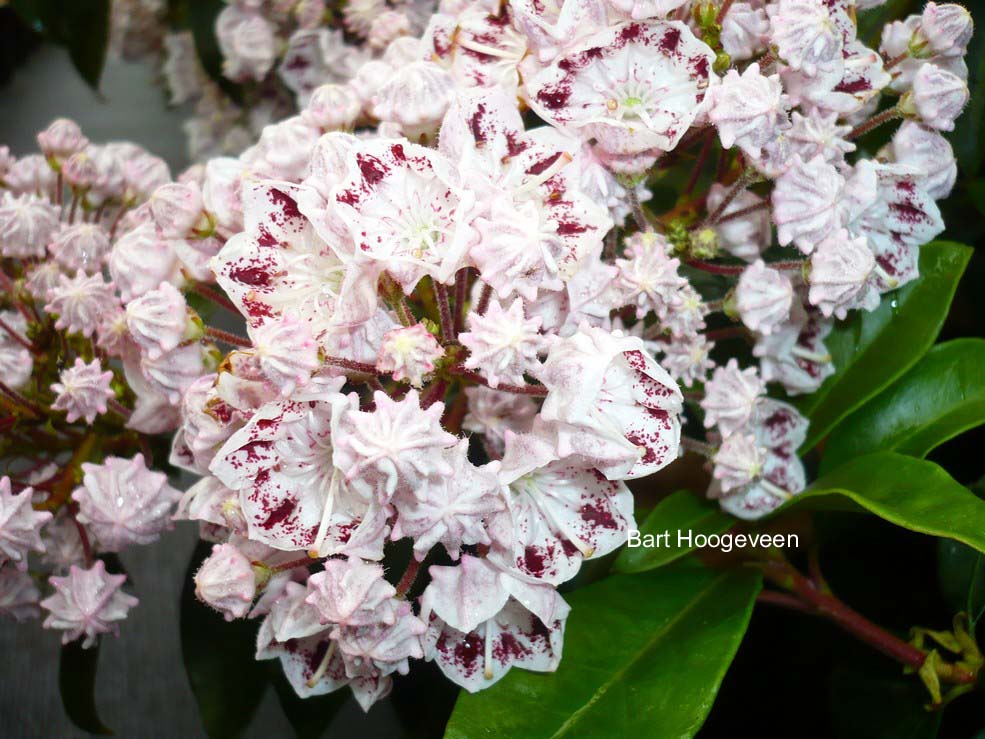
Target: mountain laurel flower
(19, 596)
(80, 302)
(177, 210)
(809, 35)
(61, 139)
(409, 353)
(946, 29)
(123, 503)
(158, 320)
(82, 246)
(503, 344)
(20, 524)
(227, 582)
(748, 109)
(839, 275)
(614, 404)
(738, 461)
(87, 603)
(332, 108)
(924, 149)
(286, 352)
(27, 223)
(937, 98)
(730, 398)
(16, 361)
(350, 592)
(763, 297)
(83, 390)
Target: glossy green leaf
(681, 511)
(77, 685)
(643, 656)
(961, 573)
(912, 493)
(942, 396)
(870, 350)
(226, 680)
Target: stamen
(322, 667)
(810, 356)
(323, 527)
(487, 660)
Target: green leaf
(961, 573)
(966, 137)
(81, 26)
(643, 656)
(869, 704)
(912, 493)
(942, 396)
(309, 717)
(680, 511)
(77, 685)
(226, 680)
(870, 350)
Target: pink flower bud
(62, 139)
(176, 209)
(763, 297)
(83, 390)
(87, 602)
(947, 28)
(938, 97)
(226, 581)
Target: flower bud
(176, 209)
(226, 581)
(937, 98)
(763, 297)
(62, 139)
(946, 28)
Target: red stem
(484, 297)
(18, 338)
(538, 390)
(721, 13)
(227, 338)
(461, 298)
(409, 576)
(350, 364)
(874, 122)
(700, 163)
(444, 309)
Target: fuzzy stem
(723, 11)
(409, 576)
(444, 309)
(639, 215)
(538, 390)
(874, 122)
(227, 338)
(435, 392)
(461, 298)
(698, 447)
(484, 297)
(119, 409)
(745, 179)
(743, 212)
(20, 400)
(890, 63)
(699, 164)
(354, 366)
(17, 337)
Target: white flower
(20, 524)
(83, 390)
(87, 602)
(763, 297)
(503, 344)
(731, 396)
(409, 353)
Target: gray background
(141, 686)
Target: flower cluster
(465, 327)
(97, 347)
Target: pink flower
(614, 404)
(141, 260)
(226, 581)
(748, 109)
(763, 297)
(83, 390)
(158, 320)
(839, 276)
(16, 362)
(20, 524)
(83, 246)
(738, 461)
(286, 353)
(61, 139)
(947, 28)
(409, 353)
(350, 593)
(176, 209)
(810, 34)
(18, 594)
(87, 602)
(925, 150)
(80, 302)
(27, 224)
(612, 86)
(483, 621)
(939, 97)
(731, 396)
(503, 344)
(123, 503)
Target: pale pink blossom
(82, 390)
(939, 97)
(350, 593)
(503, 344)
(926, 150)
(19, 596)
(27, 223)
(285, 352)
(730, 398)
(16, 362)
(946, 28)
(20, 524)
(763, 297)
(748, 109)
(227, 582)
(409, 353)
(61, 139)
(839, 275)
(123, 503)
(80, 302)
(87, 602)
(176, 209)
(158, 320)
(82, 246)
(738, 461)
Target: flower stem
(745, 179)
(723, 11)
(698, 447)
(352, 365)
(807, 596)
(409, 576)
(18, 338)
(119, 409)
(444, 309)
(874, 122)
(538, 390)
(227, 338)
(743, 212)
(461, 298)
(484, 297)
